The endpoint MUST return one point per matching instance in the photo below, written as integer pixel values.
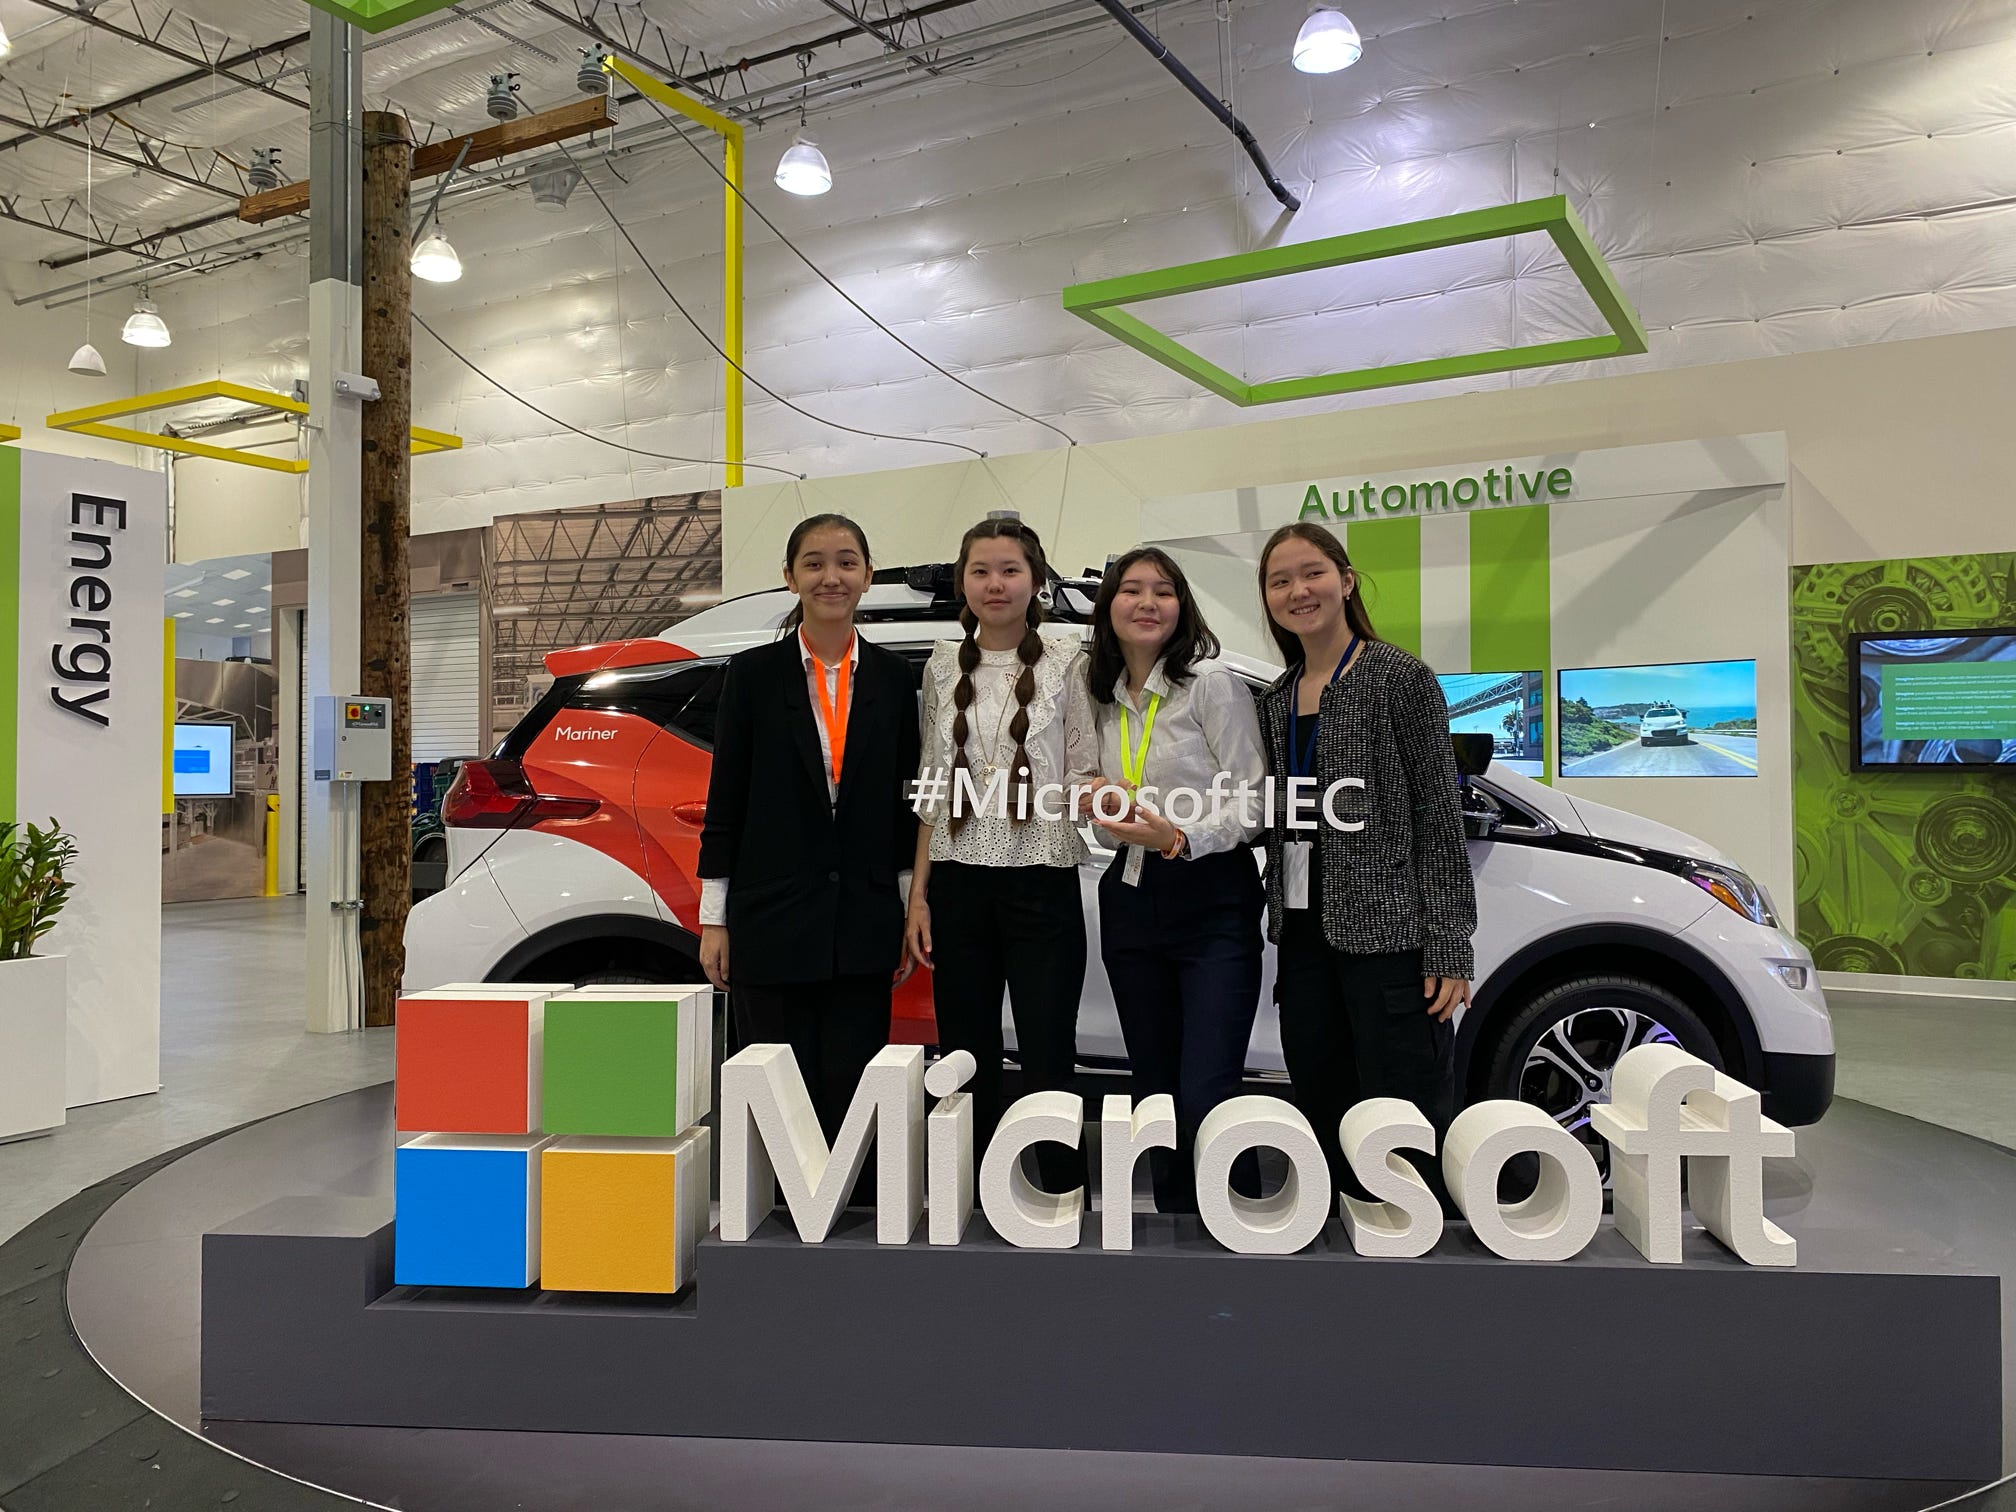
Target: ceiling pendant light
(1327, 42)
(145, 327)
(87, 361)
(435, 261)
(803, 168)
(6, 47)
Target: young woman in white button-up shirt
(1180, 906)
(994, 898)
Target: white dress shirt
(714, 890)
(1206, 725)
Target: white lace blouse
(1062, 743)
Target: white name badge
(1130, 869)
(1295, 873)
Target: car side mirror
(1473, 754)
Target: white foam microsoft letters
(1125, 1135)
(1560, 1217)
(1021, 1212)
(771, 1139)
(949, 1136)
(1293, 1216)
(1403, 1218)
(1668, 1106)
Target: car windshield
(1662, 711)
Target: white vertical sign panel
(93, 541)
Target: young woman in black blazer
(808, 823)
(1373, 924)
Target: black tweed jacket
(1403, 881)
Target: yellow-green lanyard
(1134, 763)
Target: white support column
(335, 465)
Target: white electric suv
(571, 856)
(1662, 722)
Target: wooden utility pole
(386, 869)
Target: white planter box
(33, 1033)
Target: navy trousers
(1182, 951)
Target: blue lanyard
(1301, 758)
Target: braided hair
(1030, 651)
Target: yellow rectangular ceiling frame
(10, 433)
(90, 421)
(731, 248)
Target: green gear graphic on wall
(1910, 873)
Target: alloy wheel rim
(1569, 1069)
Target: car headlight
(1733, 890)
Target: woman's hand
(917, 935)
(1146, 828)
(714, 954)
(1089, 796)
(1445, 995)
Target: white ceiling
(1765, 176)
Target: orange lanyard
(833, 708)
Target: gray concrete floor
(1949, 1061)
(232, 1049)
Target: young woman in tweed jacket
(1373, 921)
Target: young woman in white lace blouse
(994, 899)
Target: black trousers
(834, 1028)
(1357, 1026)
(1182, 949)
(1021, 928)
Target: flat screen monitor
(202, 761)
(1933, 700)
(1510, 707)
(1669, 719)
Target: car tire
(1558, 1050)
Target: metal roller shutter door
(447, 676)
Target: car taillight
(497, 795)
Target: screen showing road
(1936, 700)
(202, 761)
(1510, 707)
(1674, 719)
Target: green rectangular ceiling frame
(379, 15)
(1100, 302)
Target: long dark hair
(1030, 651)
(1190, 642)
(804, 528)
(1355, 614)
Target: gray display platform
(1849, 1365)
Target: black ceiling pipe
(1117, 9)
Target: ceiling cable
(719, 351)
(511, 393)
(679, 131)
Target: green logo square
(612, 1068)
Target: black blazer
(1403, 881)
(812, 886)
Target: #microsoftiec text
(1302, 803)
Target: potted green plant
(36, 863)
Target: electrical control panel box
(353, 739)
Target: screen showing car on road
(1510, 707)
(1673, 719)
(1935, 700)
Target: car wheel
(1560, 1050)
